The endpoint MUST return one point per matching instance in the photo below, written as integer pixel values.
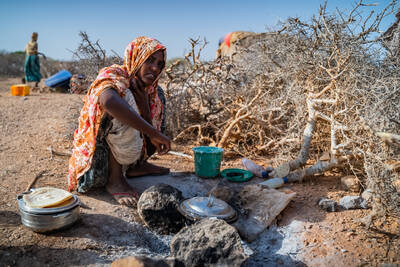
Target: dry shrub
(330, 73)
(91, 57)
(12, 65)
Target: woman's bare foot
(118, 187)
(122, 192)
(145, 168)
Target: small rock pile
(208, 242)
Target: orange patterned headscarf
(117, 77)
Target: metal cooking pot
(48, 219)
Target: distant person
(32, 64)
(121, 124)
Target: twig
(238, 118)
(59, 153)
(40, 174)
(180, 154)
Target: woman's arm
(119, 109)
(43, 55)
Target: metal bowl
(48, 219)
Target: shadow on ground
(39, 256)
(9, 218)
(110, 233)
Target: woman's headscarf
(117, 77)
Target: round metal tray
(206, 207)
(21, 204)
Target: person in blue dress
(32, 63)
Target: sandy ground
(302, 235)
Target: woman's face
(151, 68)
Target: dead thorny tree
(91, 57)
(314, 96)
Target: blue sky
(116, 23)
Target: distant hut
(391, 38)
(228, 45)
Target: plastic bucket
(20, 89)
(207, 161)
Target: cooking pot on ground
(48, 219)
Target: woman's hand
(161, 142)
(43, 55)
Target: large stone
(353, 202)
(158, 207)
(350, 183)
(142, 261)
(328, 204)
(208, 242)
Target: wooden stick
(180, 154)
(318, 167)
(40, 174)
(59, 153)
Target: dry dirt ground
(302, 235)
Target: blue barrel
(60, 79)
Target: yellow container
(20, 89)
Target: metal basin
(48, 219)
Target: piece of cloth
(117, 77)
(261, 205)
(32, 68)
(97, 175)
(227, 39)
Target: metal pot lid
(205, 207)
(72, 203)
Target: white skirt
(125, 142)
